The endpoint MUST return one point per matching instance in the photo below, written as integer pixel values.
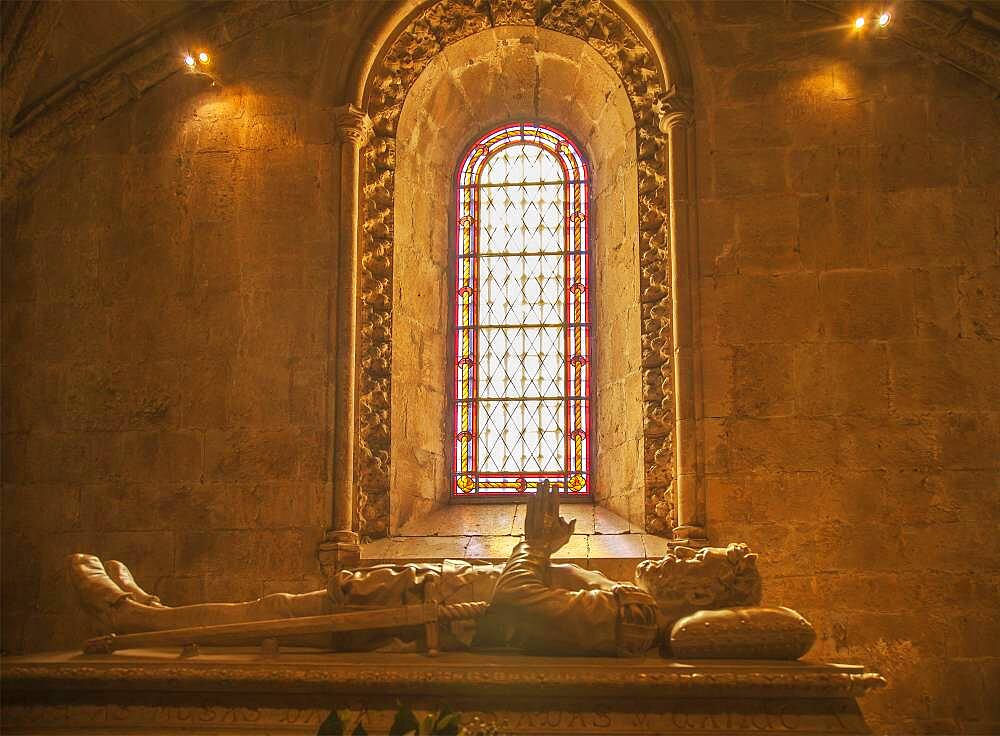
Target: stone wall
(166, 332)
(850, 265)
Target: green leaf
(427, 727)
(447, 723)
(404, 722)
(332, 726)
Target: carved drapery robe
(535, 605)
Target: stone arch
(476, 84)
(406, 42)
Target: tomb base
(241, 691)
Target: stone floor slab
(616, 545)
(603, 539)
(654, 546)
(491, 548)
(463, 519)
(577, 547)
(608, 522)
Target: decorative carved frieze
(453, 20)
(512, 12)
(425, 35)
(572, 17)
(505, 677)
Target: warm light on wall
(881, 20)
(198, 64)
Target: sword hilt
(100, 645)
(462, 611)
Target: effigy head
(688, 580)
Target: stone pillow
(742, 633)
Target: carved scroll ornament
(426, 35)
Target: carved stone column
(676, 122)
(340, 547)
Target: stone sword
(426, 614)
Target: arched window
(522, 343)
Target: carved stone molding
(676, 108)
(424, 36)
(447, 675)
(352, 125)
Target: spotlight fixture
(884, 19)
(198, 64)
(859, 22)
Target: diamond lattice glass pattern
(522, 315)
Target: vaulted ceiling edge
(34, 134)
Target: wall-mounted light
(880, 21)
(198, 63)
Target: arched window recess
(394, 439)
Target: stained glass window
(522, 356)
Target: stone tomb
(242, 691)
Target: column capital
(339, 550)
(675, 108)
(352, 124)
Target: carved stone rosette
(425, 35)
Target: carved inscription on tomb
(698, 716)
(425, 35)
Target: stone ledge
(487, 533)
(239, 692)
(303, 671)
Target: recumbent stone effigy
(602, 651)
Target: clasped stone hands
(543, 527)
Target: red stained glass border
(575, 476)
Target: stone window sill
(604, 540)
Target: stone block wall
(167, 328)
(850, 263)
(166, 345)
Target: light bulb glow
(884, 19)
(859, 22)
(189, 60)
(203, 57)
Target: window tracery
(522, 326)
